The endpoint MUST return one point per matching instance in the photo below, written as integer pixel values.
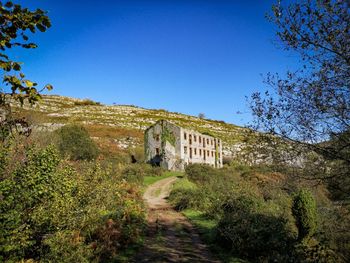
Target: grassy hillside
(121, 125)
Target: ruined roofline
(188, 130)
(159, 121)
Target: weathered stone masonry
(173, 147)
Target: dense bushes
(257, 214)
(51, 212)
(250, 230)
(186, 194)
(74, 141)
(200, 173)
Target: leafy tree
(201, 115)
(16, 25)
(311, 106)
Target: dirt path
(170, 237)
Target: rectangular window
(195, 151)
(190, 153)
(207, 141)
(157, 151)
(212, 154)
(185, 149)
(194, 138)
(185, 136)
(200, 152)
(212, 142)
(208, 153)
(203, 143)
(200, 139)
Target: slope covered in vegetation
(123, 125)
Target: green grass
(206, 227)
(207, 231)
(148, 180)
(127, 254)
(184, 183)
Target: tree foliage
(311, 106)
(201, 115)
(17, 24)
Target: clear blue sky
(181, 55)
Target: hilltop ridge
(123, 123)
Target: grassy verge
(148, 180)
(207, 231)
(127, 254)
(206, 227)
(184, 183)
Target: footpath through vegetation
(170, 236)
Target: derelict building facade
(173, 147)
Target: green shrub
(333, 231)
(66, 246)
(200, 173)
(87, 102)
(248, 229)
(52, 213)
(74, 141)
(186, 195)
(33, 180)
(135, 173)
(305, 214)
(314, 252)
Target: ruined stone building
(173, 147)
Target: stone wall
(200, 148)
(172, 147)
